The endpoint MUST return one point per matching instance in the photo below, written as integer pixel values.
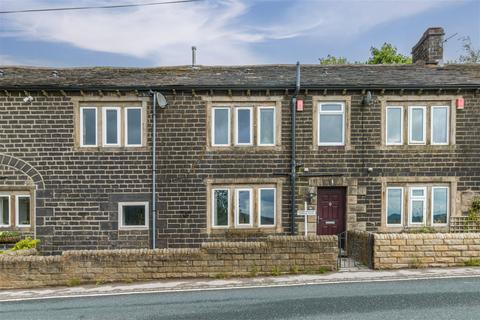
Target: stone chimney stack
(429, 49)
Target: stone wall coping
(395, 236)
(234, 244)
(309, 238)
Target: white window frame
(410, 111)
(342, 113)
(121, 226)
(213, 225)
(412, 198)
(259, 127)
(17, 212)
(237, 208)
(104, 126)
(402, 209)
(250, 143)
(126, 126)
(401, 126)
(448, 205)
(81, 127)
(259, 206)
(448, 126)
(9, 213)
(228, 127)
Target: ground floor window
(243, 206)
(133, 215)
(417, 205)
(15, 210)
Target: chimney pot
(429, 49)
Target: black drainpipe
(293, 167)
(154, 170)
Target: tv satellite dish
(161, 100)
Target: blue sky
(225, 31)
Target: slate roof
(255, 76)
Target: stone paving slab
(345, 276)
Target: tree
(387, 54)
(333, 60)
(471, 55)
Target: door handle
(319, 220)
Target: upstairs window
(331, 124)
(418, 123)
(109, 125)
(88, 128)
(233, 125)
(395, 125)
(439, 125)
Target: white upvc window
(88, 126)
(266, 126)
(331, 124)
(243, 126)
(111, 126)
(243, 208)
(439, 125)
(22, 205)
(440, 206)
(133, 127)
(394, 125)
(133, 215)
(220, 208)
(220, 126)
(417, 205)
(266, 207)
(5, 211)
(417, 125)
(394, 205)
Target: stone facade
(273, 256)
(429, 48)
(76, 191)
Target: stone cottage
(97, 158)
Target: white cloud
(164, 34)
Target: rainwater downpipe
(293, 166)
(154, 170)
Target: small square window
(4, 211)
(133, 215)
(23, 211)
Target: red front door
(330, 210)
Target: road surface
(420, 299)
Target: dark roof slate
(257, 76)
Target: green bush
(473, 263)
(27, 243)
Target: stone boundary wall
(215, 259)
(359, 246)
(394, 251)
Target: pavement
(346, 276)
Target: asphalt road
(420, 299)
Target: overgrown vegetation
(294, 269)
(331, 60)
(254, 271)
(27, 243)
(471, 54)
(424, 229)
(73, 282)
(474, 213)
(472, 263)
(416, 263)
(276, 271)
